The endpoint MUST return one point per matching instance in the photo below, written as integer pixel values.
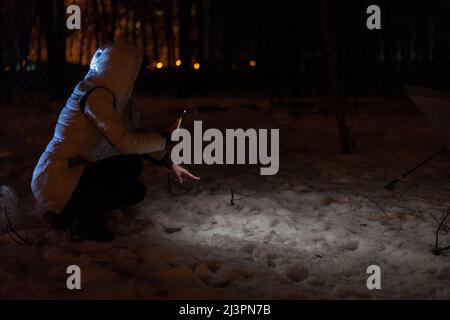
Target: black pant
(106, 185)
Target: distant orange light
(178, 63)
(252, 63)
(159, 65)
(7, 68)
(196, 66)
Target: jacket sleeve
(101, 111)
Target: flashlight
(182, 113)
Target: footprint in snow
(350, 245)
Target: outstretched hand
(183, 174)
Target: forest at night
(224, 149)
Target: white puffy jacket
(114, 68)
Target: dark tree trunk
(438, 41)
(135, 20)
(143, 9)
(127, 26)
(155, 36)
(201, 31)
(168, 25)
(53, 20)
(83, 35)
(114, 12)
(25, 30)
(333, 80)
(184, 17)
(258, 55)
(39, 41)
(104, 22)
(225, 46)
(97, 22)
(3, 83)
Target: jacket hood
(116, 67)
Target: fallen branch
(24, 241)
(441, 225)
(444, 227)
(232, 197)
(378, 206)
(170, 230)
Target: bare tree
(127, 26)
(155, 34)
(83, 35)
(105, 21)
(135, 21)
(3, 81)
(114, 13)
(52, 15)
(97, 22)
(333, 80)
(168, 25)
(144, 21)
(201, 31)
(184, 23)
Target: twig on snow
(24, 241)
(444, 227)
(233, 199)
(170, 230)
(436, 249)
(379, 207)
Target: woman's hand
(183, 174)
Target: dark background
(287, 40)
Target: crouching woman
(77, 192)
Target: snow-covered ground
(310, 231)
